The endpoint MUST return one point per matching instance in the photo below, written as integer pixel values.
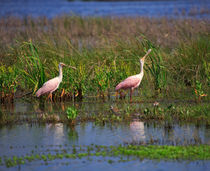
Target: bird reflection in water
(57, 130)
(137, 131)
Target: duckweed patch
(116, 153)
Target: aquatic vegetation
(196, 113)
(71, 114)
(181, 113)
(153, 152)
(105, 52)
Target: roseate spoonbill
(134, 81)
(52, 85)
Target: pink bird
(52, 85)
(134, 81)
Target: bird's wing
(129, 82)
(49, 86)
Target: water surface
(26, 139)
(159, 8)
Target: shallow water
(52, 8)
(41, 139)
(23, 139)
(102, 165)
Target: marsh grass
(31, 68)
(105, 51)
(191, 61)
(156, 68)
(8, 83)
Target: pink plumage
(129, 82)
(48, 87)
(51, 85)
(134, 81)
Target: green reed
(156, 66)
(190, 61)
(31, 67)
(105, 52)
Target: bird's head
(142, 59)
(62, 64)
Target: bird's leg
(63, 92)
(131, 91)
(116, 94)
(49, 97)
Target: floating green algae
(153, 152)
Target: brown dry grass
(98, 32)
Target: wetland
(87, 126)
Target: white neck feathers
(60, 73)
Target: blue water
(21, 140)
(52, 8)
(25, 139)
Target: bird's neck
(141, 68)
(60, 73)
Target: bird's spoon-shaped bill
(71, 67)
(148, 52)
